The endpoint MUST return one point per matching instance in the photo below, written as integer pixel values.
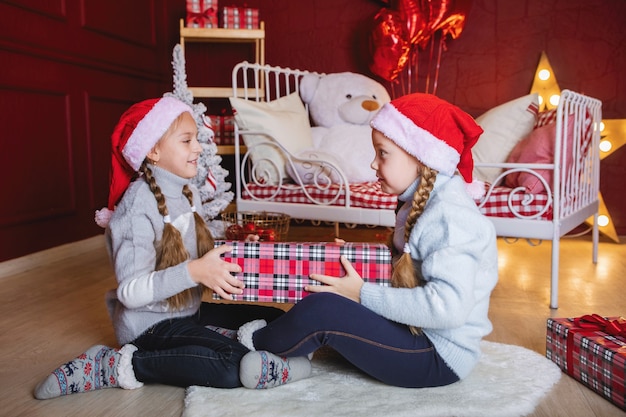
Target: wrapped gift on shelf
(240, 18)
(228, 130)
(591, 349)
(223, 128)
(278, 271)
(201, 14)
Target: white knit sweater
(456, 248)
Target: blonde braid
(404, 274)
(204, 239)
(171, 250)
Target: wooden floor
(52, 309)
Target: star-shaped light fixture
(613, 133)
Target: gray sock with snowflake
(261, 369)
(99, 367)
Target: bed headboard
(264, 82)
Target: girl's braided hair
(171, 250)
(404, 274)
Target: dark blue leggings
(182, 352)
(384, 349)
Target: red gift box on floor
(201, 14)
(240, 18)
(591, 349)
(278, 271)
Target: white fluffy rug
(508, 381)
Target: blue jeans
(384, 349)
(182, 352)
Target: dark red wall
(493, 61)
(70, 67)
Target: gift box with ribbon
(201, 14)
(239, 18)
(591, 349)
(223, 127)
(278, 271)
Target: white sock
(260, 370)
(245, 332)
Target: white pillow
(285, 119)
(308, 171)
(504, 126)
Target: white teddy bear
(341, 106)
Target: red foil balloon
(454, 20)
(416, 20)
(388, 44)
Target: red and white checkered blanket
(369, 195)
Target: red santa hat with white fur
(437, 133)
(134, 136)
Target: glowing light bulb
(605, 145)
(543, 75)
(540, 100)
(554, 99)
(602, 126)
(603, 220)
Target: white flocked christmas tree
(211, 179)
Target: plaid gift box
(228, 130)
(240, 18)
(277, 272)
(201, 13)
(223, 128)
(591, 349)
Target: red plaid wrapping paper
(201, 13)
(591, 356)
(277, 272)
(240, 18)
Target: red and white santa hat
(439, 134)
(134, 136)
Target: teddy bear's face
(342, 98)
(359, 110)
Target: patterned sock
(260, 370)
(99, 367)
(231, 334)
(95, 369)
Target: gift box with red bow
(201, 14)
(591, 349)
(278, 271)
(240, 18)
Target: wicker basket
(270, 226)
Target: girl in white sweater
(424, 330)
(164, 258)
